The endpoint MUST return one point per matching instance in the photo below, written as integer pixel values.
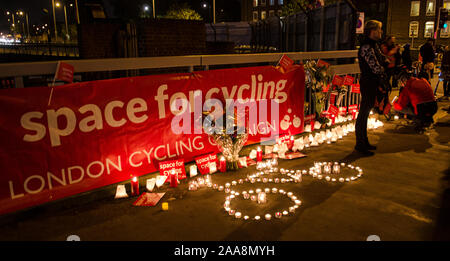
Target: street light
(58, 4)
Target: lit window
(255, 3)
(429, 29)
(415, 8)
(413, 29)
(255, 16)
(272, 2)
(431, 8)
(446, 4)
(263, 15)
(445, 32)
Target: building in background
(413, 21)
(255, 10)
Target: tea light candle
(234, 183)
(246, 217)
(226, 204)
(165, 206)
(220, 188)
(297, 202)
(278, 214)
(227, 185)
(327, 178)
(134, 186)
(253, 198)
(268, 216)
(241, 181)
(274, 190)
(246, 196)
(227, 190)
(238, 215)
(231, 212)
(265, 180)
(336, 169)
(277, 180)
(341, 179)
(327, 169)
(285, 213)
(257, 217)
(215, 186)
(290, 194)
(291, 209)
(212, 167)
(258, 154)
(262, 198)
(250, 191)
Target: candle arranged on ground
(222, 164)
(134, 186)
(165, 206)
(291, 143)
(262, 198)
(173, 178)
(212, 167)
(258, 154)
(193, 170)
(336, 169)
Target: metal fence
(328, 28)
(40, 49)
(13, 74)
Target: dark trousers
(368, 94)
(446, 88)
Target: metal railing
(40, 49)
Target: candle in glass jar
(336, 169)
(222, 164)
(278, 214)
(258, 154)
(327, 169)
(134, 186)
(238, 215)
(268, 216)
(253, 198)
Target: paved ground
(404, 195)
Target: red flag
(337, 80)
(285, 63)
(348, 80)
(64, 72)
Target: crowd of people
(381, 61)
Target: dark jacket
(427, 53)
(372, 62)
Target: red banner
(355, 88)
(286, 63)
(333, 110)
(166, 167)
(203, 162)
(342, 111)
(337, 80)
(353, 107)
(348, 80)
(64, 72)
(99, 133)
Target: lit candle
(173, 179)
(253, 198)
(291, 209)
(268, 216)
(238, 215)
(327, 178)
(241, 181)
(227, 185)
(262, 198)
(227, 190)
(285, 213)
(267, 190)
(258, 190)
(341, 179)
(134, 186)
(258, 154)
(250, 191)
(231, 212)
(278, 215)
(226, 204)
(246, 195)
(246, 217)
(277, 180)
(291, 143)
(327, 169)
(222, 164)
(220, 188)
(257, 217)
(336, 169)
(274, 190)
(212, 167)
(193, 170)
(165, 206)
(297, 202)
(290, 194)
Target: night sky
(229, 9)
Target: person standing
(372, 64)
(445, 68)
(428, 56)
